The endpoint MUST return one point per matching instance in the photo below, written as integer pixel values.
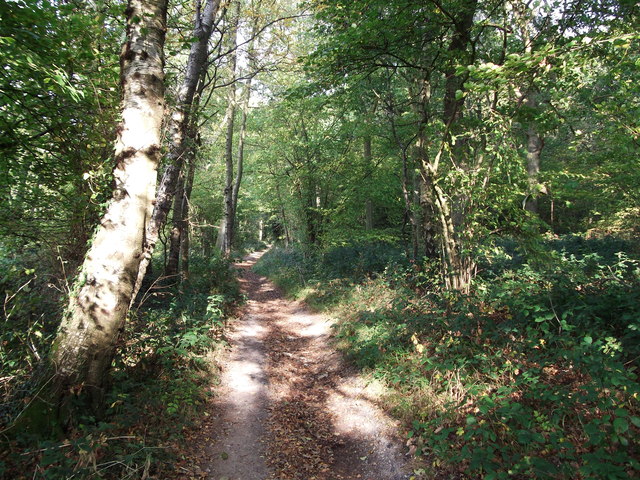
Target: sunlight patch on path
(238, 453)
(288, 400)
(309, 367)
(356, 416)
(311, 325)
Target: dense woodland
(456, 182)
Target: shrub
(160, 381)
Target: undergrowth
(321, 278)
(159, 383)
(531, 375)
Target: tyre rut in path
(288, 407)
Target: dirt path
(288, 407)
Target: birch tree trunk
(86, 340)
(203, 27)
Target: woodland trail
(288, 407)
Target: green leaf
(620, 425)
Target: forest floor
(288, 406)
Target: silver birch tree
(86, 340)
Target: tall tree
(242, 135)
(86, 341)
(453, 216)
(178, 257)
(185, 235)
(226, 227)
(178, 141)
(534, 141)
(368, 203)
(175, 236)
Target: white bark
(86, 341)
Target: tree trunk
(224, 242)
(179, 238)
(453, 230)
(203, 26)
(86, 341)
(429, 229)
(368, 214)
(368, 205)
(458, 53)
(535, 144)
(287, 233)
(285, 225)
(457, 268)
(224, 235)
(410, 213)
(310, 202)
(428, 222)
(185, 232)
(171, 270)
(207, 246)
(407, 187)
(246, 97)
(239, 158)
